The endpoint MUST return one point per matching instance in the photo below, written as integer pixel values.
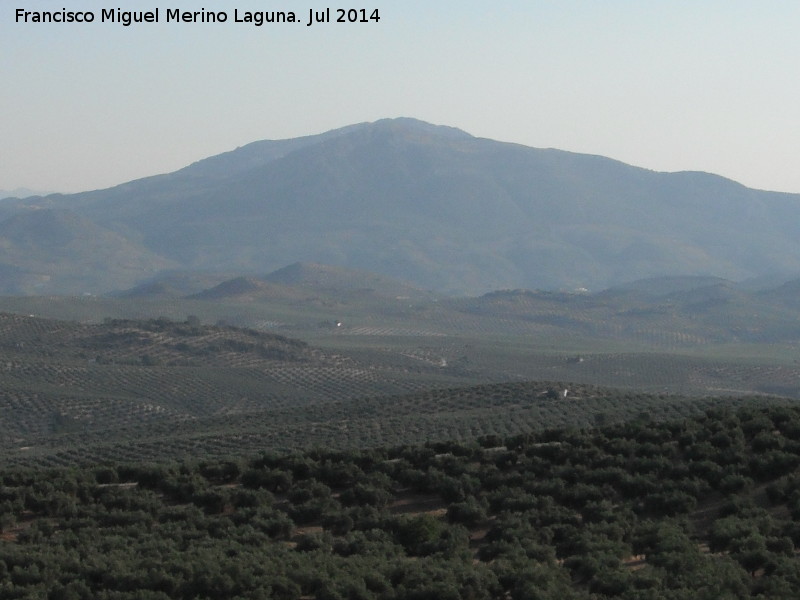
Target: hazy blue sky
(670, 85)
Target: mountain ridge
(443, 210)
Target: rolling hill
(157, 389)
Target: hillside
(54, 249)
(429, 205)
(339, 280)
(156, 387)
(697, 336)
(705, 507)
(68, 387)
(313, 281)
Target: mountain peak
(409, 125)
(427, 204)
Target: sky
(666, 85)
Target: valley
(394, 361)
(315, 354)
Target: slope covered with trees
(701, 508)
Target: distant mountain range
(430, 205)
(21, 193)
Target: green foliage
(631, 510)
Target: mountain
(438, 208)
(247, 289)
(20, 193)
(174, 284)
(341, 280)
(663, 286)
(315, 283)
(58, 250)
(787, 294)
